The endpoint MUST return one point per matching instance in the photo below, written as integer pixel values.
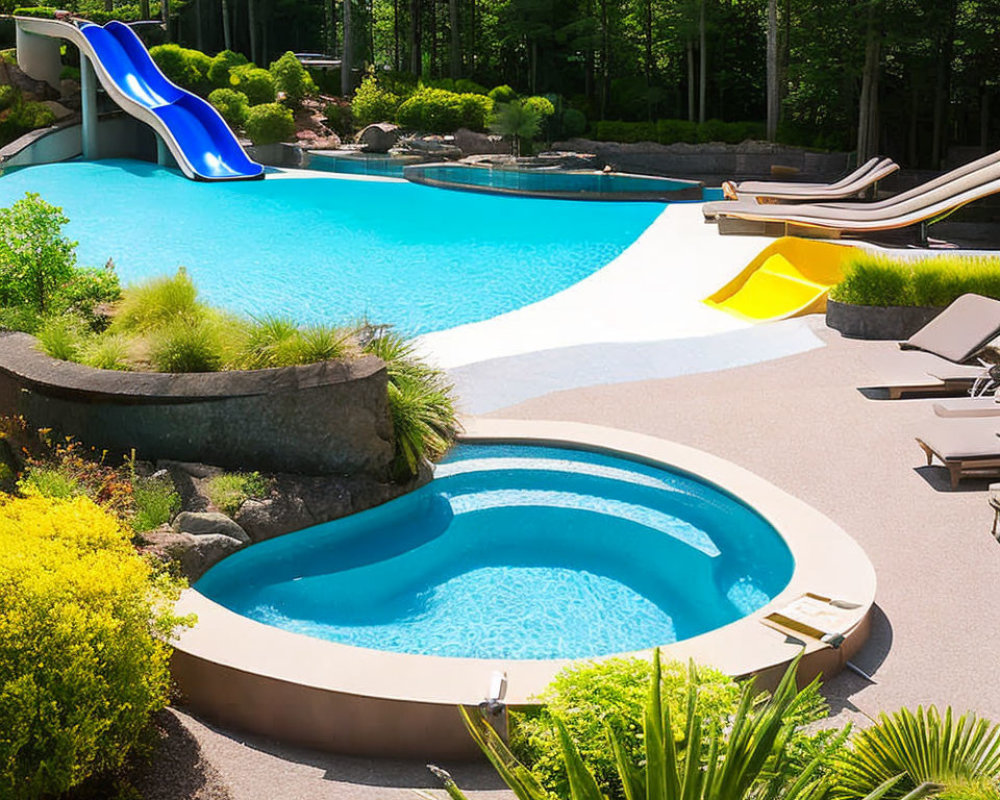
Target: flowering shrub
(83, 652)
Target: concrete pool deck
(800, 423)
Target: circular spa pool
(518, 551)
(333, 249)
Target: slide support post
(163, 157)
(88, 97)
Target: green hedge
(185, 67)
(256, 83)
(669, 131)
(232, 105)
(441, 111)
(871, 279)
(270, 123)
(42, 12)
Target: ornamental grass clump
(873, 279)
(84, 630)
(231, 490)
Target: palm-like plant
(518, 120)
(923, 746)
(743, 764)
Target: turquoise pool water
(334, 250)
(518, 552)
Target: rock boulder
(379, 137)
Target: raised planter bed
(878, 322)
(319, 419)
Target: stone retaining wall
(320, 419)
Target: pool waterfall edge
(306, 691)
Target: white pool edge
(252, 676)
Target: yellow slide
(787, 278)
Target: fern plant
(963, 754)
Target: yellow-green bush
(83, 661)
(874, 279)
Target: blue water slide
(202, 143)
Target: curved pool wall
(333, 250)
(351, 163)
(255, 677)
(518, 552)
(553, 183)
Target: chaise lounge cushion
(961, 330)
(957, 439)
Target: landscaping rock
(209, 523)
(205, 552)
(30, 88)
(428, 145)
(58, 109)
(474, 143)
(379, 137)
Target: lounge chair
(929, 202)
(935, 358)
(966, 447)
(751, 193)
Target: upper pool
(334, 249)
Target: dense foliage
(82, 661)
(373, 104)
(269, 123)
(441, 111)
(231, 490)
(231, 104)
(872, 279)
(291, 79)
(256, 83)
(589, 697)
(187, 68)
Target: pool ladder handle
(493, 708)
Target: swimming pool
(334, 249)
(518, 552)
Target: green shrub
(222, 64)
(322, 343)
(475, 110)
(715, 130)
(339, 118)
(70, 74)
(574, 123)
(269, 123)
(431, 111)
(22, 116)
(51, 482)
(590, 696)
(420, 401)
(84, 631)
(158, 302)
(156, 502)
(373, 104)
(229, 491)
(42, 12)
(185, 67)
(626, 132)
(20, 318)
(518, 121)
(187, 346)
(256, 83)
(278, 342)
(468, 86)
(291, 78)
(8, 96)
(232, 105)
(62, 337)
(35, 258)
(873, 279)
(502, 94)
(88, 294)
(542, 105)
(669, 131)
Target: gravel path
(801, 423)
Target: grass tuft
(155, 500)
(230, 490)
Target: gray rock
(427, 145)
(58, 109)
(209, 523)
(474, 143)
(379, 137)
(204, 552)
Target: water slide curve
(198, 138)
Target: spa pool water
(518, 552)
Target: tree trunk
(650, 67)
(416, 57)
(346, 56)
(984, 116)
(252, 28)
(227, 37)
(395, 35)
(942, 84)
(144, 8)
(434, 39)
(773, 100)
(691, 79)
(166, 19)
(456, 40)
(702, 62)
(199, 28)
(868, 103)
